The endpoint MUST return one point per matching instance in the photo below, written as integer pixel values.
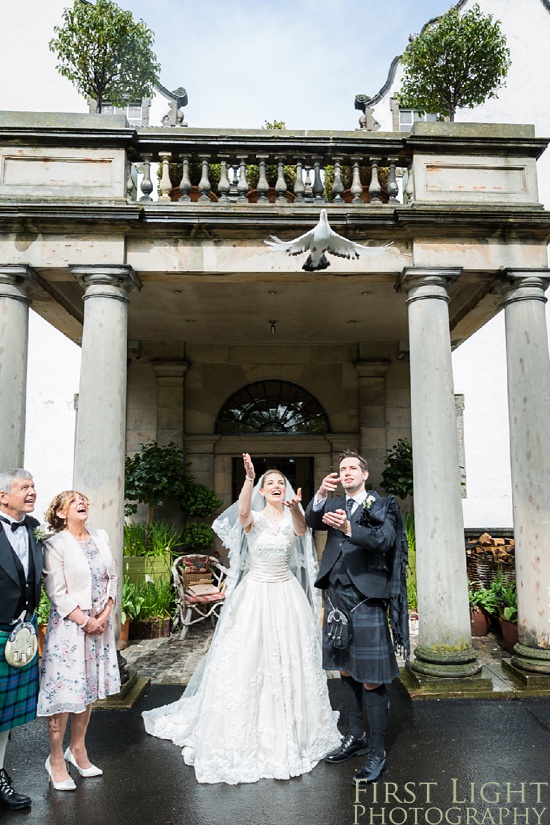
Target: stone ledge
(528, 683)
(418, 686)
(497, 681)
(128, 695)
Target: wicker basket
(196, 573)
(196, 578)
(483, 571)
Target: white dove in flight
(323, 239)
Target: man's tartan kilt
(370, 657)
(18, 690)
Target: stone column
(15, 283)
(528, 365)
(445, 644)
(170, 402)
(101, 421)
(372, 415)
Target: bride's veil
(303, 563)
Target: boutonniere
(40, 533)
(368, 502)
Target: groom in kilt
(363, 575)
(20, 579)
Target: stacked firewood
(486, 557)
(486, 548)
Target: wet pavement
(455, 761)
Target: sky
(301, 61)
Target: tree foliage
(397, 477)
(105, 53)
(154, 475)
(457, 61)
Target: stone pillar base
(536, 684)
(531, 659)
(419, 685)
(446, 663)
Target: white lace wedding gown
(262, 708)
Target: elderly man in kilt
(363, 574)
(20, 580)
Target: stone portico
(179, 306)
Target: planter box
(139, 569)
(149, 628)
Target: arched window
(271, 408)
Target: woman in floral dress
(79, 664)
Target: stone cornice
(60, 129)
(216, 221)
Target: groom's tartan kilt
(18, 690)
(370, 657)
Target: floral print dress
(77, 668)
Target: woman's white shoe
(66, 785)
(91, 771)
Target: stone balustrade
(267, 166)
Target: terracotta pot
(510, 633)
(149, 628)
(480, 621)
(41, 635)
(124, 635)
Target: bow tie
(14, 524)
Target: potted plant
(148, 550)
(484, 603)
(156, 609)
(131, 602)
(508, 617)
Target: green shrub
(197, 537)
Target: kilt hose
(18, 690)
(370, 656)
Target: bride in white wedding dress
(257, 707)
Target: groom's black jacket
(11, 594)
(365, 553)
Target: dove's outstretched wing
(294, 247)
(343, 248)
(372, 251)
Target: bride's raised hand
(293, 504)
(248, 466)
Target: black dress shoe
(351, 746)
(8, 797)
(372, 770)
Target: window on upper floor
(407, 117)
(135, 112)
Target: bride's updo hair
(270, 472)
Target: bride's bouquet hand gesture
(249, 467)
(293, 504)
(298, 517)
